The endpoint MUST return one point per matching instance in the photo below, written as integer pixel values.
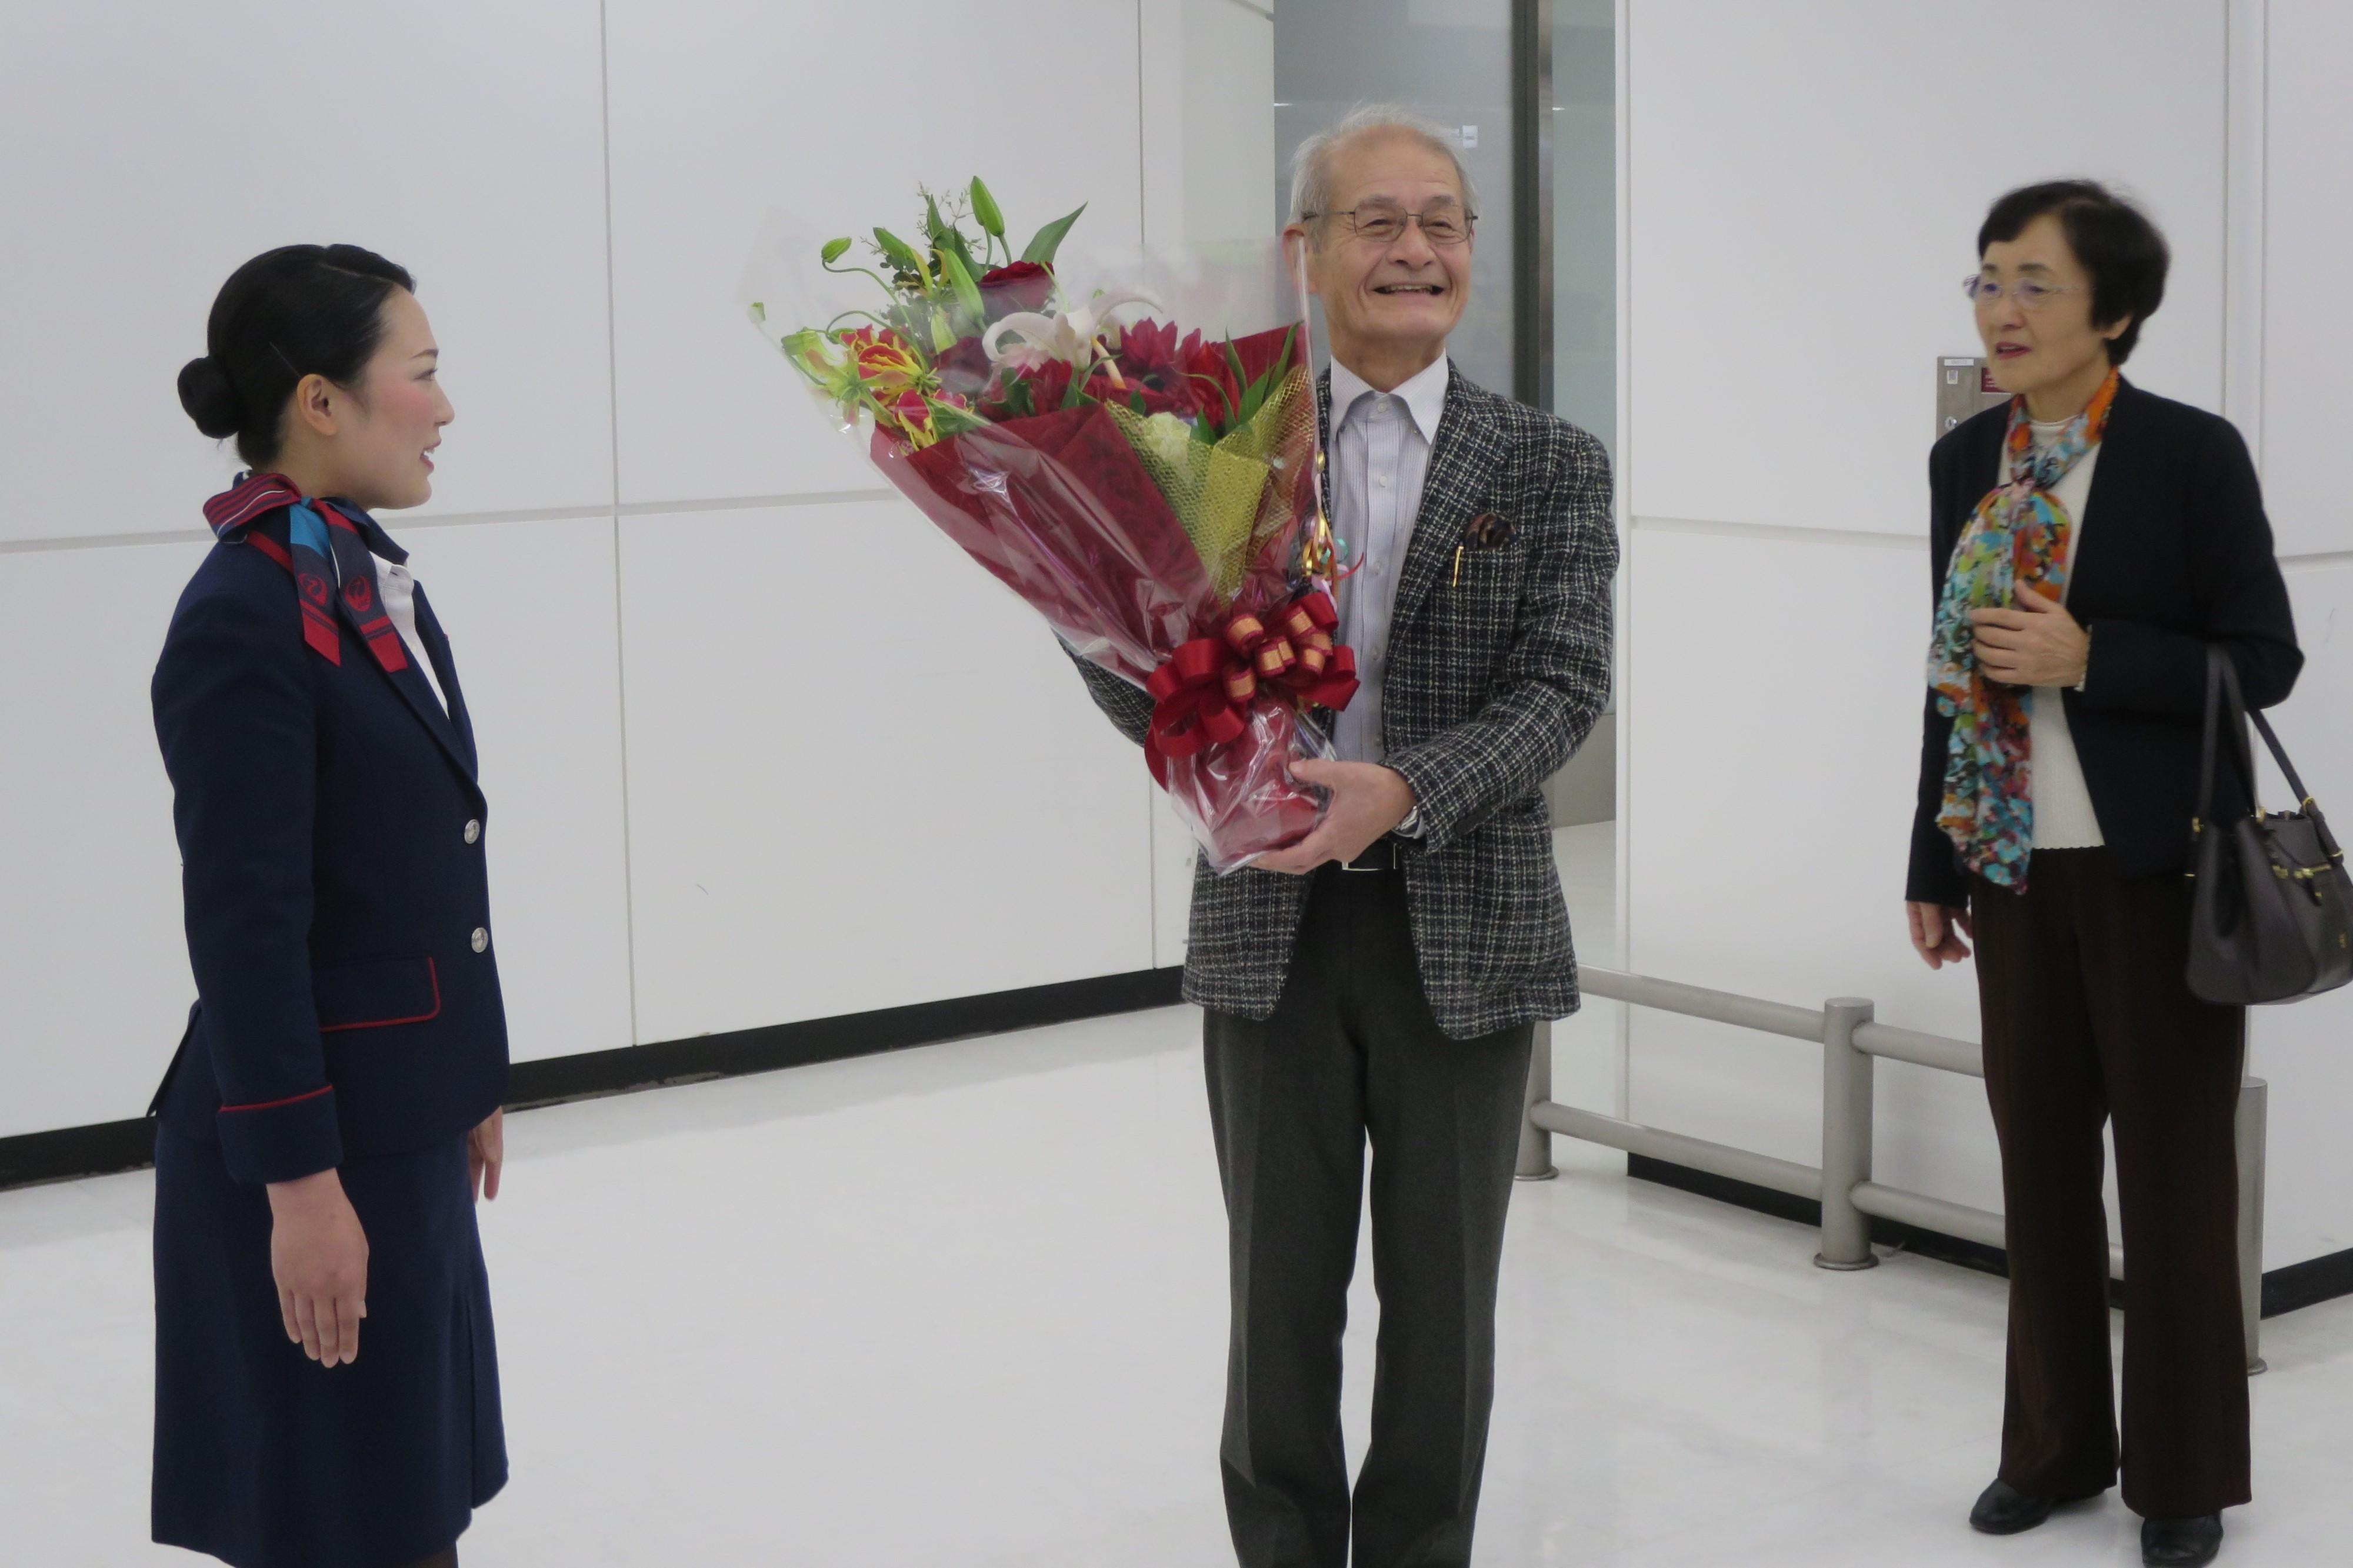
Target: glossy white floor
(964, 1307)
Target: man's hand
(1936, 932)
(485, 1150)
(318, 1255)
(2037, 644)
(1367, 800)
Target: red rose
(1017, 286)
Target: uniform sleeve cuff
(282, 1140)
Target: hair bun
(210, 400)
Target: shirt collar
(1423, 394)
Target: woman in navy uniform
(333, 1111)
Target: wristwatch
(1411, 826)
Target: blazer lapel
(409, 681)
(2120, 459)
(444, 669)
(1463, 462)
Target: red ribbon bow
(1203, 694)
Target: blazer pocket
(376, 993)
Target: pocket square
(1486, 532)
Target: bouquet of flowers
(1152, 492)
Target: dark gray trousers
(1353, 1052)
(2089, 1021)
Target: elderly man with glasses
(1380, 981)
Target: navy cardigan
(2176, 554)
(332, 842)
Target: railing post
(2253, 1116)
(1535, 1143)
(1846, 1137)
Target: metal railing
(1851, 1039)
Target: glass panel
(1585, 215)
(1448, 60)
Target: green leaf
(1234, 363)
(984, 209)
(967, 292)
(899, 253)
(946, 239)
(835, 250)
(1049, 239)
(1264, 389)
(1077, 393)
(1019, 398)
(950, 420)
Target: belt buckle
(1380, 855)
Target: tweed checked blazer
(1492, 682)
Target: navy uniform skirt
(266, 1459)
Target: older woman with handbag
(2091, 541)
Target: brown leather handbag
(2273, 917)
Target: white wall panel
(1775, 698)
(532, 622)
(1807, 184)
(92, 959)
(2308, 224)
(862, 775)
(1207, 89)
(2305, 1051)
(154, 148)
(748, 130)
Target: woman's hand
(1936, 932)
(318, 1255)
(2037, 644)
(485, 1150)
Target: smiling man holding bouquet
(1381, 979)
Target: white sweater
(2064, 818)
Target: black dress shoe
(2181, 1543)
(2003, 1510)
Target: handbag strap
(2224, 705)
(2222, 690)
(2304, 803)
(2263, 726)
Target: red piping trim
(271, 548)
(290, 1099)
(432, 974)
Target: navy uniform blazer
(332, 842)
(2176, 554)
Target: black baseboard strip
(2302, 1284)
(111, 1146)
(2284, 1289)
(774, 1045)
(99, 1149)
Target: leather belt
(1380, 855)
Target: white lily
(1070, 335)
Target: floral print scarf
(2018, 535)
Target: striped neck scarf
(330, 551)
(2018, 536)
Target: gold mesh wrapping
(1222, 493)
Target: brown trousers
(2087, 1017)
